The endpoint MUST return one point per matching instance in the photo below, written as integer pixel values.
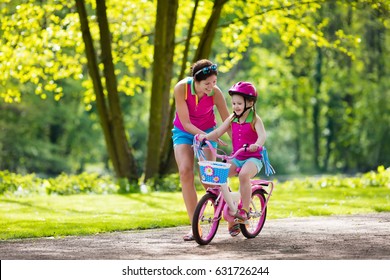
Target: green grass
(303, 202)
(40, 216)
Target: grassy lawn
(38, 216)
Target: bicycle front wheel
(256, 216)
(205, 221)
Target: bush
(89, 183)
(92, 183)
(12, 183)
(169, 183)
(381, 178)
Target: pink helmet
(244, 89)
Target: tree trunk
(203, 51)
(316, 108)
(127, 166)
(208, 34)
(164, 47)
(110, 118)
(97, 83)
(167, 163)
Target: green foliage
(49, 137)
(19, 185)
(12, 184)
(51, 48)
(281, 41)
(272, 43)
(169, 183)
(84, 183)
(371, 179)
(92, 183)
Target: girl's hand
(254, 147)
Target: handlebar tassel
(198, 151)
(269, 170)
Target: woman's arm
(182, 109)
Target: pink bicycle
(219, 201)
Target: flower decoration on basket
(208, 170)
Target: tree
(162, 75)
(202, 51)
(50, 31)
(167, 154)
(110, 113)
(42, 47)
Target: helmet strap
(243, 112)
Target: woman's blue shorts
(182, 137)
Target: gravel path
(351, 237)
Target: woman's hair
(202, 69)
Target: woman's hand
(201, 137)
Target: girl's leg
(232, 170)
(248, 171)
(233, 228)
(185, 162)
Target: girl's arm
(261, 135)
(218, 132)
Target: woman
(195, 98)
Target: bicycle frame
(224, 189)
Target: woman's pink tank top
(243, 133)
(201, 112)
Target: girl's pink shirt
(201, 113)
(243, 133)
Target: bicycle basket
(213, 172)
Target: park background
(86, 93)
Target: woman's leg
(184, 156)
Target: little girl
(247, 129)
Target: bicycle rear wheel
(256, 216)
(205, 223)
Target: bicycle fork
(228, 199)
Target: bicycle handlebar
(198, 145)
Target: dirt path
(337, 237)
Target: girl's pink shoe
(241, 215)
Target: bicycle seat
(260, 182)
